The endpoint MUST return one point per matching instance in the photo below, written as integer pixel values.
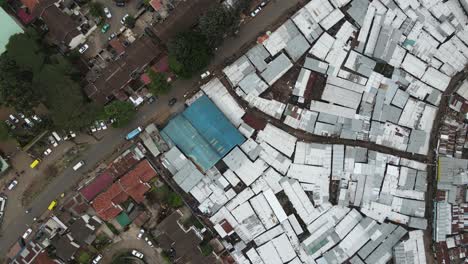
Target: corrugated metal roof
(276, 69)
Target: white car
(93, 129)
(256, 11)
(148, 241)
(78, 165)
(83, 48)
(27, 233)
(137, 254)
(103, 125)
(140, 234)
(205, 74)
(12, 185)
(124, 18)
(107, 12)
(97, 259)
(47, 152)
(72, 134)
(36, 118)
(53, 142)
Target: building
(9, 28)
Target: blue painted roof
(203, 133)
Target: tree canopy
(216, 23)
(96, 9)
(4, 134)
(188, 53)
(16, 87)
(27, 79)
(159, 84)
(122, 112)
(130, 22)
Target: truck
(78, 165)
(134, 133)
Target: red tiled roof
(98, 185)
(156, 4)
(132, 184)
(30, 4)
(138, 192)
(43, 258)
(24, 16)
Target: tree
(4, 134)
(122, 112)
(216, 23)
(188, 53)
(24, 49)
(159, 84)
(130, 21)
(96, 9)
(16, 88)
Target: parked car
(112, 36)
(105, 28)
(52, 141)
(148, 241)
(83, 48)
(151, 99)
(13, 119)
(21, 115)
(27, 233)
(72, 134)
(124, 18)
(78, 165)
(36, 118)
(205, 75)
(92, 129)
(47, 152)
(107, 12)
(172, 101)
(141, 233)
(120, 3)
(12, 185)
(97, 125)
(97, 259)
(29, 122)
(137, 254)
(103, 125)
(10, 124)
(256, 11)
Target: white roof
(322, 46)
(275, 205)
(436, 79)
(217, 92)
(301, 83)
(269, 254)
(277, 138)
(272, 108)
(244, 168)
(334, 17)
(463, 90)
(274, 158)
(332, 109)
(340, 96)
(414, 65)
(264, 211)
(238, 70)
(319, 9)
(284, 248)
(279, 39)
(296, 195)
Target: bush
(84, 258)
(165, 195)
(205, 248)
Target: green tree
(130, 21)
(16, 88)
(188, 53)
(216, 23)
(122, 112)
(4, 134)
(159, 84)
(25, 50)
(96, 9)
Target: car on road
(124, 18)
(27, 233)
(14, 119)
(151, 99)
(12, 185)
(83, 48)
(107, 12)
(205, 75)
(256, 11)
(141, 233)
(52, 205)
(137, 254)
(105, 28)
(120, 3)
(172, 101)
(78, 165)
(97, 259)
(47, 152)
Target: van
(52, 205)
(3, 200)
(56, 136)
(78, 165)
(34, 164)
